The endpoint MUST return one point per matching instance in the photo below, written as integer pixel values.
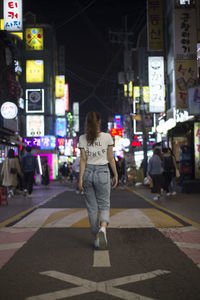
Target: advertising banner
(194, 101)
(34, 125)
(12, 14)
(34, 39)
(34, 100)
(155, 25)
(185, 76)
(34, 71)
(60, 84)
(61, 127)
(197, 149)
(186, 34)
(156, 84)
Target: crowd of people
(162, 171)
(19, 174)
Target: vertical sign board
(34, 100)
(34, 125)
(197, 149)
(155, 25)
(194, 101)
(59, 88)
(66, 96)
(76, 116)
(12, 14)
(185, 54)
(61, 127)
(156, 84)
(34, 38)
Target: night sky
(92, 60)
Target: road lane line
(11, 246)
(160, 219)
(185, 219)
(101, 258)
(188, 245)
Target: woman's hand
(80, 185)
(115, 181)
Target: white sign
(12, 15)
(34, 125)
(9, 110)
(76, 116)
(60, 107)
(156, 84)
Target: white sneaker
(168, 194)
(155, 198)
(174, 193)
(102, 239)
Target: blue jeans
(96, 183)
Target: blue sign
(61, 127)
(118, 121)
(48, 142)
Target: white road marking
(17, 230)
(130, 218)
(69, 220)
(11, 246)
(101, 258)
(107, 287)
(178, 229)
(188, 245)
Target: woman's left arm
(83, 159)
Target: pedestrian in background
(76, 169)
(46, 172)
(174, 174)
(29, 167)
(155, 171)
(9, 171)
(169, 170)
(96, 150)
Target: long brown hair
(92, 126)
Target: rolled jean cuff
(105, 216)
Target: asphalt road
(48, 254)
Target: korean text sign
(13, 15)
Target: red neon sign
(116, 131)
(136, 144)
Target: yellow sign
(128, 89)
(186, 75)
(136, 93)
(155, 25)
(60, 86)
(34, 71)
(1, 24)
(34, 39)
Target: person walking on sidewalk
(46, 171)
(96, 151)
(10, 170)
(29, 166)
(155, 171)
(169, 170)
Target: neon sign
(116, 131)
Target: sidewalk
(187, 205)
(20, 203)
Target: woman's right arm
(82, 168)
(112, 163)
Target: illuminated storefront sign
(34, 100)
(118, 121)
(136, 93)
(66, 96)
(60, 142)
(48, 142)
(60, 84)
(33, 142)
(34, 39)
(60, 127)
(156, 84)
(116, 131)
(155, 25)
(197, 149)
(34, 71)
(34, 125)
(194, 101)
(12, 15)
(59, 107)
(128, 89)
(76, 116)
(9, 110)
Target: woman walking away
(10, 169)
(155, 171)
(96, 151)
(46, 171)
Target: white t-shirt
(96, 153)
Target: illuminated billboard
(12, 14)
(60, 84)
(66, 96)
(34, 125)
(156, 84)
(60, 107)
(61, 127)
(34, 39)
(136, 93)
(34, 71)
(34, 100)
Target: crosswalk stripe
(188, 245)
(58, 215)
(160, 219)
(11, 246)
(101, 258)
